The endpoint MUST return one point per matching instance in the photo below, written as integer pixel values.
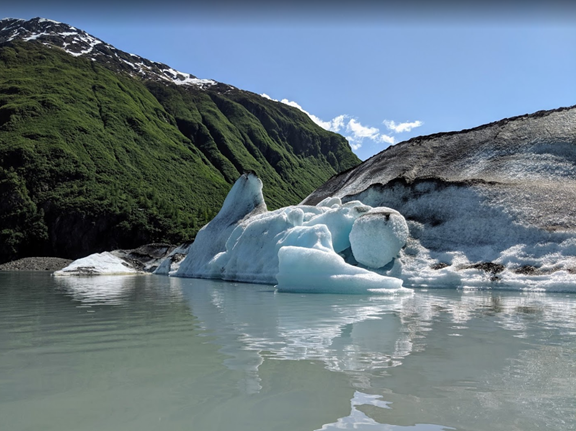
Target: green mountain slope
(94, 159)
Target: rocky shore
(36, 264)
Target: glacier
(493, 207)
(301, 248)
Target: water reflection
(358, 420)
(353, 333)
(512, 311)
(464, 359)
(453, 352)
(117, 290)
(253, 322)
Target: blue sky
(377, 74)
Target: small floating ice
(98, 264)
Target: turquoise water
(157, 353)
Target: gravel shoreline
(36, 264)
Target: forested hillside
(93, 157)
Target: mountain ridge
(79, 43)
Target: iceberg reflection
(361, 336)
(252, 322)
(358, 420)
(116, 289)
(461, 358)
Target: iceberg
(142, 260)
(244, 199)
(486, 208)
(300, 248)
(311, 270)
(377, 237)
(104, 263)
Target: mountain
(494, 205)
(101, 149)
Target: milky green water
(157, 353)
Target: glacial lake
(157, 353)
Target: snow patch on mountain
(78, 43)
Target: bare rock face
(502, 193)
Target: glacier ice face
(295, 247)
(463, 237)
(492, 207)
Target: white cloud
(356, 132)
(402, 127)
(334, 125)
(387, 139)
(362, 132)
(293, 104)
(327, 125)
(338, 123)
